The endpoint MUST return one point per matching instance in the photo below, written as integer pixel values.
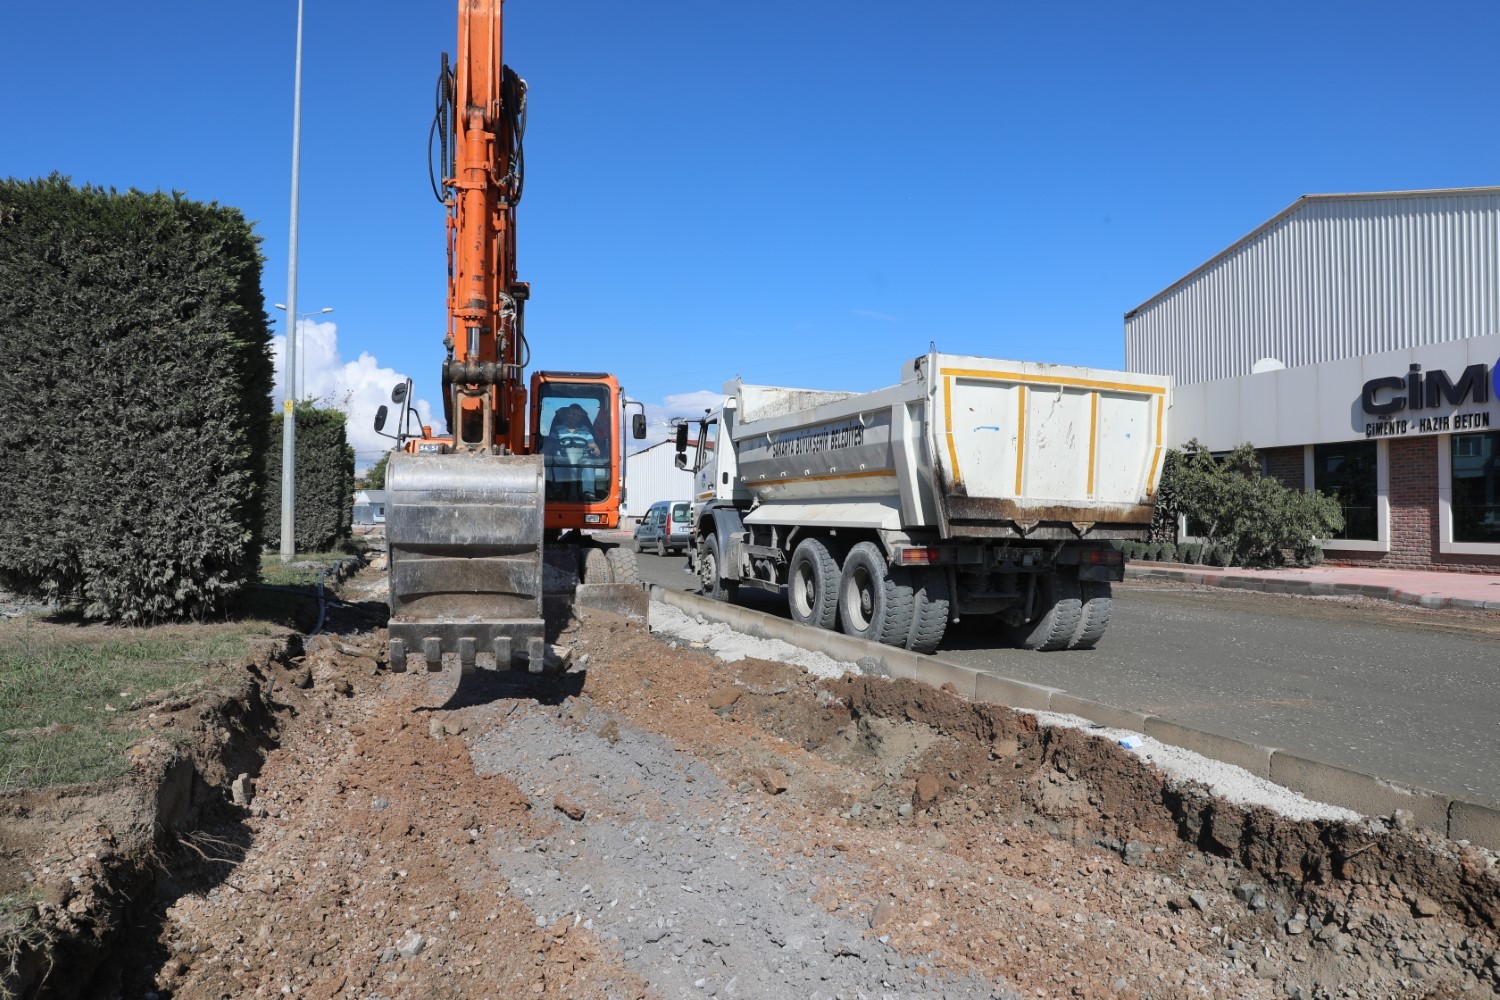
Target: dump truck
(975, 489)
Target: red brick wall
(1414, 516)
(1286, 466)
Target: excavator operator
(571, 429)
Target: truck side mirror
(681, 439)
(638, 426)
(398, 394)
(680, 460)
(380, 416)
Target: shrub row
(1200, 553)
(324, 508)
(135, 375)
(1255, 518)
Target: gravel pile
(729, 645)
(667, 865)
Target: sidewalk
(1464, 591)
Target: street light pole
(302, 360)
(289, 404)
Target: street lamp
(297, 332)
(289, 404)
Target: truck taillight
(917, 557)
(1103, 557)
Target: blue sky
(797, 193)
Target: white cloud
(360, 386)
(690, 405)
(356, 387)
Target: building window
(1348, 471)
(1476, 487)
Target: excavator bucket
(466, 577)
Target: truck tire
(1095, 617)
(1061, 610)
(812, 585)
(875, 602)
(930, 614)
(596, 567)
(623, 565)
(714, 585)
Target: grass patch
(303, 570)
(72, 697)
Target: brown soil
(962, 834)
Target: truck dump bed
(973, 447)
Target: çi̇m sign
(1384, 397)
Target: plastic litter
(1131, 742)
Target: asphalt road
(1400, 692)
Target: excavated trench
(93, 856)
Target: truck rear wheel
(1095, 616)
(875, 603)
(812, 591)
(708, 572)
(1060, 612)
(930, 612)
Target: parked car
(665, 528)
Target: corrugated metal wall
(650, 476)
(1336, 277)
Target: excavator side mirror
(638, 426)
(380, 416)
(398, 394)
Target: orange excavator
(488, 527)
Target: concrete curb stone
(1364, 793)
(1016, 694)
(1474, 823)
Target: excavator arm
(467, 516)
(464, 516)
(483, 383)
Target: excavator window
(574, 425)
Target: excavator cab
(576, 424)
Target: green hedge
(135, 376)
(325, 480)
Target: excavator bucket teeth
(465, 538)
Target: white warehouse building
(1353, 339)
(651, 475)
